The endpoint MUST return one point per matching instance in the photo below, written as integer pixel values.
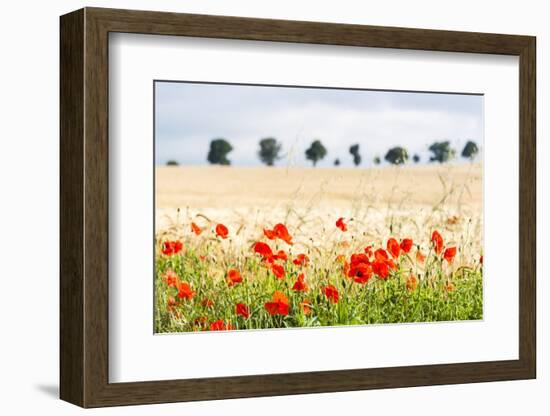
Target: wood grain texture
(71, 100)
(84, 207)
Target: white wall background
(29, 85)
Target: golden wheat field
(411, 200)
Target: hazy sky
(189, 115)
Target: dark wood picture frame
(84, 207)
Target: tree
(316, 152)
(269, 150)
(172, 162)
(219, 148)
(336, 162)
(416, 158)
(354, 150)
(377, 160)
(470, 151)
(442, 152)
(397, 155)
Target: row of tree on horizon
(271, 150)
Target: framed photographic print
(255, 207)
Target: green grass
(443, 293)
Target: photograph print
(295, 206)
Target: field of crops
(245, 249)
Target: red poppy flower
(282, 233)
(437, 241)
(393, 247)
(382, 263)
(412, 283)
(306, 306)
(196, 229)
(449, 254)
(357, 258)
(207, 303)
(381, 255)
(270, 234)
(242, 310)
(222, 231)
(360, 272)
(331, 293)
(420, 258)
(278, 270)
(278, 304)
(341, 224)
(171, 301)
(171, 247)
(301, 260)
(171, 278)
(233, 277)
(406, 245)
(281, 255)
(220, 325)
(381, 269)
(300, 285)
(184, 291)
(263, 250)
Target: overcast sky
(189, 115)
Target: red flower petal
(393, 247)
(341, 224)
(331, 293)
(233, 277)
(196, 229)
(406, 245)
(222, 231)
(449, 254)
(242, 310)
(437, 241)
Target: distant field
(409, 198)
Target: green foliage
(269, 150)
(397, 155)
(219, 148)
(377, 160)
(377, 302)
(354, 150)
(470, 151)
(316, 152)
(416, 158)
(172, 163)
(442, 152)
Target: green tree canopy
(470, 151)
(416, 158)
(377, 160)
(172, 162)
(269, 150)
(442, 152)
(219, 148)
(354, 150)
(316, 152)
(397, 155)
(336, 162)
